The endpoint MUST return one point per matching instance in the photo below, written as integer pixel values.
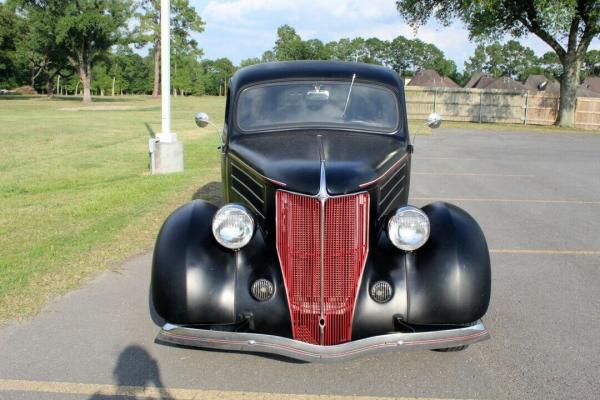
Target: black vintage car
(316, 254)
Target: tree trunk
(113, 88)
(569, 82)
(49, 86)
(84, 74)
(33, 76)
(156, 68)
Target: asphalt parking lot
(537, 198)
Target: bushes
(27, 90)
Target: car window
(317, 104)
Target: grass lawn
(75, 193)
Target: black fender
(193, 278)
(449, 279)
(196, 281)
(445, 282)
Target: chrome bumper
(258, 343)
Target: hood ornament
(322, 195)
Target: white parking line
(138, 392)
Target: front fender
(445, 282)
(193, 278)
(196, 281)
(449, 278)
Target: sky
(239, 29)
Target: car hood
(294, 158)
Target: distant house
(506, 83)
(592, 83)
(430, 78)
(583, 91)
(479, 81)
(542, 83)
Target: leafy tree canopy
(567, 26)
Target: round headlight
(233, 226)
(408, 228)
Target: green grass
(75, 192)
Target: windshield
(317, 104)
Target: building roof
(542, 83)
(583, 91)
(473, 80)
(479, 81)
(506, 83)
(430, 78)
(592, 83)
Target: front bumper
(258, 343)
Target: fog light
(381, 291)
(262, 289)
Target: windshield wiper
(349, 93)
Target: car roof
(313, 69)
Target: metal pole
(526, 105)
(165, 67)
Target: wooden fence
(494, 105)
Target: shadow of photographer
(135, 371)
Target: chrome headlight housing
(233, 226)
(408, 229)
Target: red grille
(345, 250)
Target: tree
(551, 64)
(511, 59)
(10, 29)
(184, 22)
(407, 56)
(249, 61)
(268, 56)
(103, 78)
(567, 26)
(379, 51)
(591, 64)
(314, 49)
(518, 60)
(289, 45)
(38, 47)
(85, 30)
(216, 75)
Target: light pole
(166, 136)
(166, 152)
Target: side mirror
(434, 120)
(202, 120)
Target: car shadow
(211, 192)
(135, 371)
